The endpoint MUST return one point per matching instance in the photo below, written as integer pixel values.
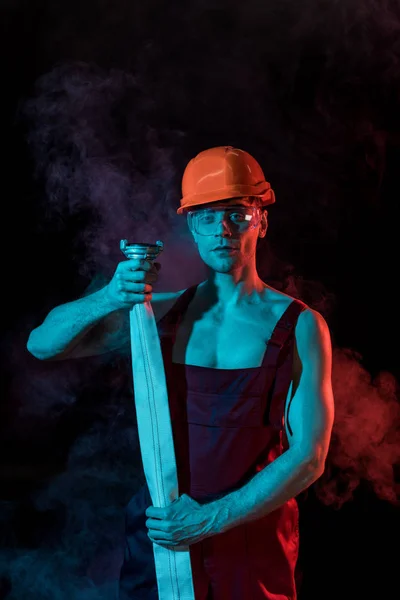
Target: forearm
(67, 324)
(277, 483)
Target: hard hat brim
(267, 196)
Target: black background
(312, 91)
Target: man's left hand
(181, 523)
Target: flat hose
(173, 567)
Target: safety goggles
(207, 221)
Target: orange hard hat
(222, 173)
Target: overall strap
(281, 333)
(278, 359)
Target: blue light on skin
(231, 276)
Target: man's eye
(237, 216)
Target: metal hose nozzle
(143, 251)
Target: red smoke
(366, 435)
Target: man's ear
(263, 227)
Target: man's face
(239, 246)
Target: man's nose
(223, 227)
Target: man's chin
(225, 266)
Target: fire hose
(173, 567)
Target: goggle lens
(239, 219)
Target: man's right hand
(132, 283)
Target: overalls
(228, 424)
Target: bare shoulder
(313, 346)
(313, 338)
(310, 322)
(162, 302)
(277, 301)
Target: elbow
(310, 471)
(35, 352)
(35, 349)
(313, 463)
(42, 354)
(316, 469)
(30, 346)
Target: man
(249, 387)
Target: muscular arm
(310, 410)
(89, 326)
(83, 327)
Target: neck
(232, 289)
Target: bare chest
(230, 341)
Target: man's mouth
(225, 248)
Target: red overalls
(227, 425)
